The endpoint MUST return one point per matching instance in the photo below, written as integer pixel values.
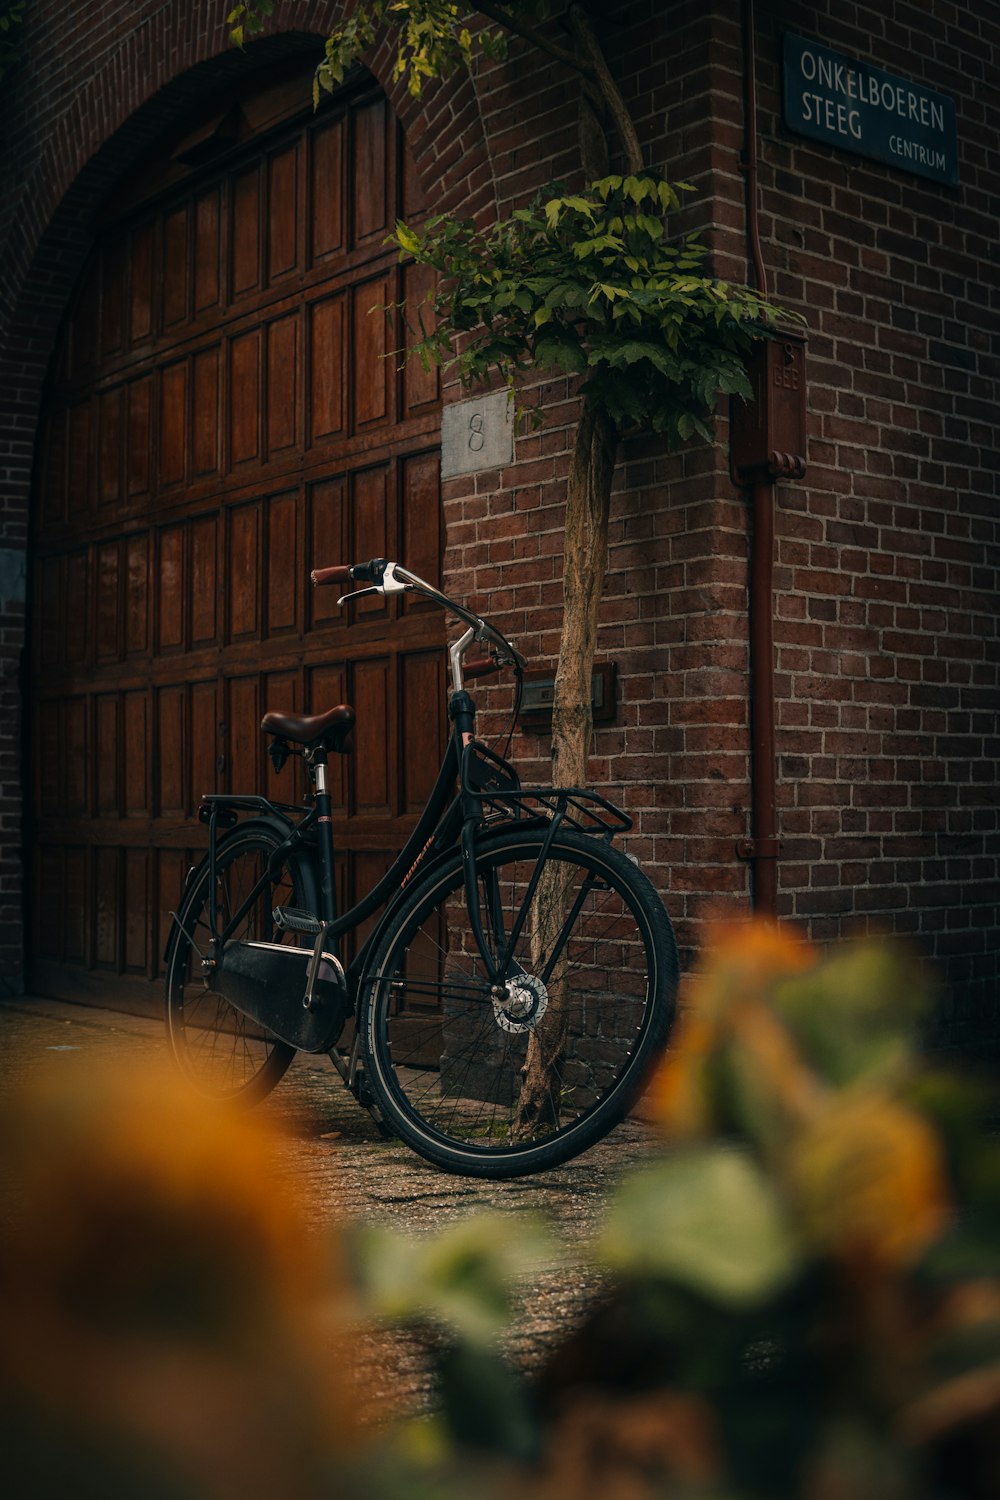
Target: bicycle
(509, 1002)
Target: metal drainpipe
(762, 848)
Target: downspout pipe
(762, 848)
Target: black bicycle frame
(451, 817)
(437, 828)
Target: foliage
(432, 40)
(590, 284)
(801, 1287)
(432, 37)
(804, 1291)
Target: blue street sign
(857, 107)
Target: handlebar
(384, 577)
(369, 572)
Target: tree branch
(583, 34)
(572, 60)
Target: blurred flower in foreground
(161, 1300)
(803, 1057)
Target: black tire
(222, 1053)
(444, 1053)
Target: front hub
(520, 1004)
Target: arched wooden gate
(224, 412)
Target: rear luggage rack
(497, 785)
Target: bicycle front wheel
(498, 1079)
(220, 1051)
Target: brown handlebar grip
(340, 573)
(479, 666)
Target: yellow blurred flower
(869, 1183)
(160, 1291)
(724, 1003)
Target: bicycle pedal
(294, 919)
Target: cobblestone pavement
(347, 1171)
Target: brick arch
(49, 235)
(159, 74)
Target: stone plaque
(477, 434)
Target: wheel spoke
(504, 1074)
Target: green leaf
(708, 1220)
(462, 1278)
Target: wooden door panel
(223, 417)
(204, 745)
(171, 738)
(370, 365)
(244, 399)
(107, 907)
(245, 233)
(137, 592)
(283, 215)
(204, 535)
(420, 700)
(139, 400)
(207, 250)
(205, 443)
(326, 184)
(75, 905)
(110, 419)
(242, 735)
(136, 911)
(176, 229)
(283, 385)
(369, 175)
(328, 545)
(326, 369)
(75, 758)
(141, 284)
(171, 590)
(370, 765)
(173, 424)
(107, 632)
(284, 567)
(107, 757)
(243, 571)
(135, 727)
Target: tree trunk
(585, 560)
(588, 502)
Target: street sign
(857, 107)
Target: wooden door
(225, 412)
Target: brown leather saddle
(332, 729)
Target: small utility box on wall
(769, 432)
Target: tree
(588, 283)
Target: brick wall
(886, 554)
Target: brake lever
(358, 594)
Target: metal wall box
(539, 690)
(769, 433)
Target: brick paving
(347, 1171)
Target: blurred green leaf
(856, 1015)
(709, 1220)
(462, 1279)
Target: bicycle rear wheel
(502, 1080)
(220, 1051)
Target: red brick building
(195, 410)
